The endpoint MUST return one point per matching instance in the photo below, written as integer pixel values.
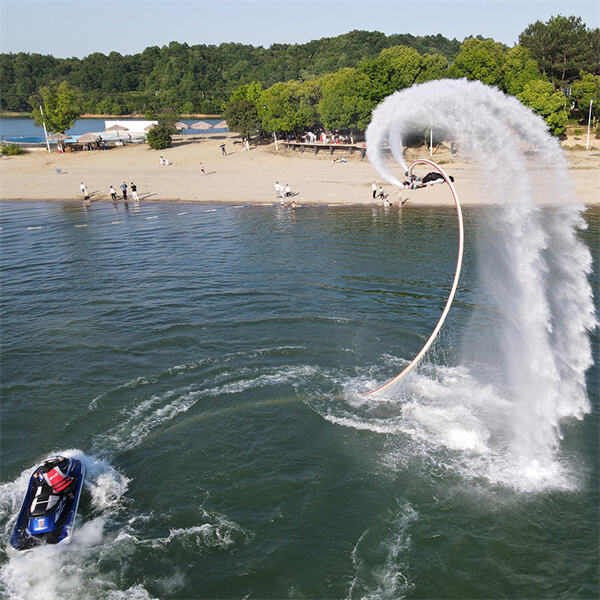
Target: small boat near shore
(50, 505)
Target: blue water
(205, 362)
(18, 129)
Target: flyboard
(459, 258)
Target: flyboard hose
(433, 335)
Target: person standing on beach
(82, 188)
(374, 188)
(134, 192)
(86, 194)
(202, 168)
(223, 151)
(113, 193)
(123, 187)
(277, 190)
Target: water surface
(206, 362)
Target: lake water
(14, 128)
(206, 363)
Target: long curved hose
(433, 335)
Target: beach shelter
(149, 127)
(202, 125)
(60, 138)
(180, 126)
(116, 127)
(87, 138)
(221, 125)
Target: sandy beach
(246, 177)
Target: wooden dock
(316, 147)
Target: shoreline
(28, 115)
(248, 177)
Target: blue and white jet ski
(50, 504)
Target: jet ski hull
(38, 526)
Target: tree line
(193, 79)
(555, 70)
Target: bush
(159, 137)
(13, 150)
(577, 131)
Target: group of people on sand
(113, 192)
(282, 191)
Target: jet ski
(50, 504)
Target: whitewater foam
(531, 267)
(66, 571)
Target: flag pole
(45, 132)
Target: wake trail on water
(92, 564)
(522, 373)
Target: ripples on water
(206, 363)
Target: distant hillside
(194, 78)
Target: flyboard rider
(413, 182)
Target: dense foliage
(198, 78)
(61, 106)
(333, 82)
(159, 137)
(542, 99)
(563, 48)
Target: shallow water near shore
(206, 363)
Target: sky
(67, 28)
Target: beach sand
(246, 177)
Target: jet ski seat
(43, 502)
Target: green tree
(345, 101)
(562, 47)
(290, 106)
(480, 59)
(433, 66)
(542, 99)
(61, 105)
(242, 116)
(159, 137)
(519, 68)
(249, 91)
(394, 69)
(583, 91)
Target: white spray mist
(532, 267)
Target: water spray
(435, 332)
(523, 371)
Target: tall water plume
(532, 267)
